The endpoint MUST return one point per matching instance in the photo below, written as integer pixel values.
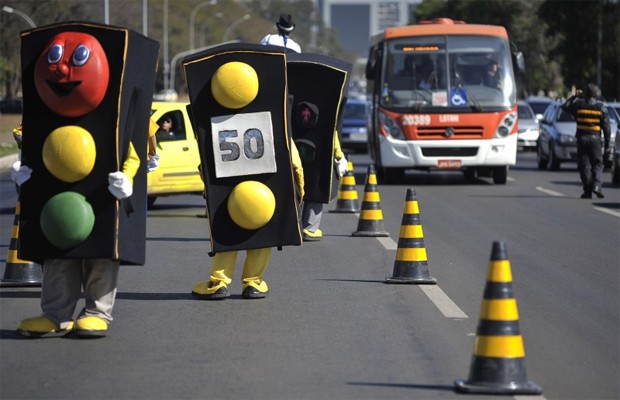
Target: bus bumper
(447, 154)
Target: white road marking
(530, 397)
(607, 211)
(447, 307)
(549, 192)
(388, 243)
(441, 300)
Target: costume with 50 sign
(253, 177)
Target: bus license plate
(449, 164)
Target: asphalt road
(331, 328)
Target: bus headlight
(506, 125)
(390, 126)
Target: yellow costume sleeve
(152, 140)
(131, 164)
(338, 154)
(153, 127)
(297, 168)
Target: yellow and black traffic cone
(18, 272)
(411, 264)
(347, 195)
(371, 217)
(498, 362)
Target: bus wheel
(151, 201)
(500, 175)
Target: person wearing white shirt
(285, 27)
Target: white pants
(63, 281)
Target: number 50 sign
(243, 144)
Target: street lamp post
(11, 10)
(232, 26)
(192, 19)
(205, 25)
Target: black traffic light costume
(319, 86)
(251, 168)
(87, 95)
(246, 143)
(121, 117)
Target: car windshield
(539, 107)
(525, 112)
(613, 115)
(354, 111)
(462, 73)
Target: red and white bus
(443, 97)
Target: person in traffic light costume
(318, 84)
(253, 177)
(592, 117)
(87, 96)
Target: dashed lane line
(607, 211)
(445, 305)
(549, 192)
(441, 300)
(437, 296)
(601, 209)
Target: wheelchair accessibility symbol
(458, 97)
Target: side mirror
(520, 61)
(374, 55)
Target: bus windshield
(465, 73)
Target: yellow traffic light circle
(69, 153)
(234, 85)
(251, 205)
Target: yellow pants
(256, 262)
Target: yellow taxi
(178, 153)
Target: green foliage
(558, 38)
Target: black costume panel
(119, 116)
(319, 87)
(250, 143)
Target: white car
(527, 127)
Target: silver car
(527, 127)
(615, 168)
(557, 142)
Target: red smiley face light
(72, 74)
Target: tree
(582, 55)
(558, 38)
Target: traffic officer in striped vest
(592, 117)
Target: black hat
(285, 23)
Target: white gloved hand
(152, 163)
(119, 185)
(20, 173)
(342, 166)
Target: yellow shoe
(312, 236)
(43, 327)
(208, 290)
(254, 290)
(91, 326)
